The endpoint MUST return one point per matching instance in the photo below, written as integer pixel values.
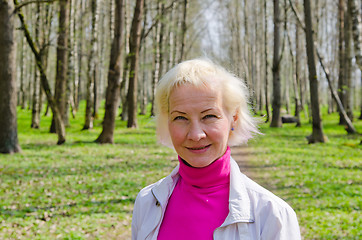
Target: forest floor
(84, 190)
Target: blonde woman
(202, 110)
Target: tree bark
(295, 84)
(266, 63)
(276, 118)
(348, 64)
(183, 31)
(88, 124)
(157, 56)
(8, 119)
(134, 47)
(114, 78)
(356, 30)
(317, 130)
(62, 61)
(35, 113)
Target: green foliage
(84, 190)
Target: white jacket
(254, 212)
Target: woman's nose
(196, 132)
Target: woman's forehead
(188, 96)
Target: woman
(201, 111)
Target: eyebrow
(176, 111)
(209, 109)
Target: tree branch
(20, 5)
(157, 19)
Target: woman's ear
(236, 116)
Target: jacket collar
(239, 202)
(163, 190)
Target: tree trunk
(183, 31)
(276, 118)
(126, 65)
(114, 78)
(295, 84)
(341, 58)
(157, 56)
(44, 80)
(62, 61)
(356, 30)
(266, 63)
(8, 119)
(348, 64)
(299, 103)
(35, 114)
(134, 47)
(317, 130)
(88, 124)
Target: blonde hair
(203, 72)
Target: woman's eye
(209, 116)
(179, 118)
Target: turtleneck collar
(217, 173)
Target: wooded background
(294, 56)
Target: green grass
(84, 190)
(80, 190)
(322, 182)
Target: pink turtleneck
(199, 203)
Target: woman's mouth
(199, 149)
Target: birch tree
(91, 74)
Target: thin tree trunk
(8, 119)
(88, 124)
(266, 63)
(317, 130)
(44, 80)
(126, 65)
(341, 58)
(348, 62)
(183, 31)
(157, 57)
(62, 62)
(134, 47)
(276, 118)
(22, 73)
(35, 114)
(114, 78)
(295, 84)
(356, 30)
(143, 95)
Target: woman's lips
(199, 149)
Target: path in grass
(241, 155)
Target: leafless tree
(8, 120)
(114, 77)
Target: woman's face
(198, 124)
